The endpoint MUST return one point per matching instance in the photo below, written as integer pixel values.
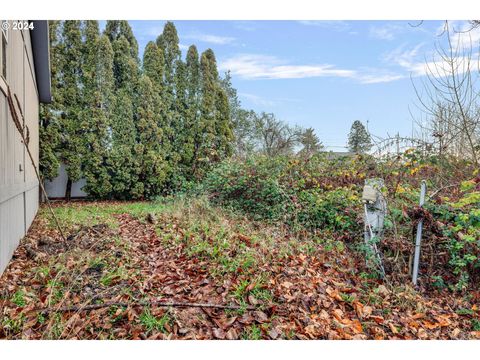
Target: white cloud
(386, 32)
(245, 25)
(251, 66)
(337, 25)
(421, 63)
(379, 78)
(208, 38)
(463, 35)
(408, 59)
(257, 100)
(154, 30)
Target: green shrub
(294, 191)
(461, 229)
(252, 187)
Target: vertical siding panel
(18, 209)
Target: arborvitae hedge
(132, 129)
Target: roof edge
(41, 59)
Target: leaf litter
(114, 275)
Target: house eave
(41, 59)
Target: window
(3, 49)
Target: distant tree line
(140, 128)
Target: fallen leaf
(232, 334)
(218, 333)
(393, 328)
(273, 333)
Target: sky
(322, 74)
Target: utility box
(375, 210)
(375, 207)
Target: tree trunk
(68, 190)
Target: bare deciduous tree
(275, 136)
(450, 98)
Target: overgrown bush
(296, 191)
(461, 227)
(252, 186)
(321, 196)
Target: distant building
(25, 68)
(339, 154)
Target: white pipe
(418, 240)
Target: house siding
(19, 188)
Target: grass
(245, 258)
(56, 290)
(101, 212)
(252, 332)
(113, 275)
(14, 325)
(152, 323)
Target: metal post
(418, 240)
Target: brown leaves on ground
(304, 295)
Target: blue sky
(323, 74)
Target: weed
(57, 327)
(347, 298)
(19, 298)
(56, 292)
(252, 332)
(112, 312)
(241, 289)
(438, 282)
(41, 318)
(152, 323)
(13, 325)
(262, 294)
(113, 275)
(43, 271)
(465, 312)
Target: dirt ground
(121, 263)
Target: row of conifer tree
(131, 128)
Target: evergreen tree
(149, 145)
(72, 145)
(207, 152)
(233, 100)
(180, 126)
(98, 83)
(153, 65)
(214, 134)
(115, 29)
(49, 127)
(123, 162)
(359, 140)
(192, 116)
(310, 142)
(169, 44)
(223, 125)
(242, 121)
(131, 132)
(125, 67)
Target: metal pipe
(418, 240)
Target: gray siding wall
(18, 184)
